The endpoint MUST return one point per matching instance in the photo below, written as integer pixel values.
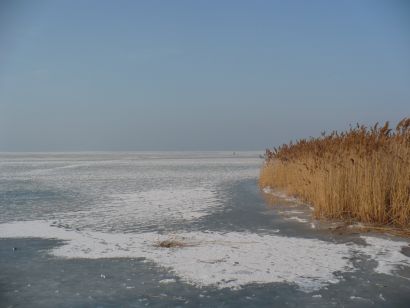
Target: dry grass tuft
(362, 174)
(172, 244)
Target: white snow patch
(167, 281)
(148, 207)
(298, 219)
(357, 298)
(210, 258)
(291, 212)
(155, 204)
(230, 259)
(387, 253)
(280, 195)
(267, 190)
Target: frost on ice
(230, 259)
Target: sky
(197, 75)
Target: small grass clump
(171, 244)
(362, 174)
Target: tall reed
(361, 174)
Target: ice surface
(139, 189)
(145, 208)
(209, 258)
(230, 259)
(386, 252)
(111, 206)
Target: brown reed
(361, 174)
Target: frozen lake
(84, 230)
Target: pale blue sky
(197, 75)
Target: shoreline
(340, 227)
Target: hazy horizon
(181, 76)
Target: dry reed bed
(362, 174)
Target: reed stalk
(361, 174)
